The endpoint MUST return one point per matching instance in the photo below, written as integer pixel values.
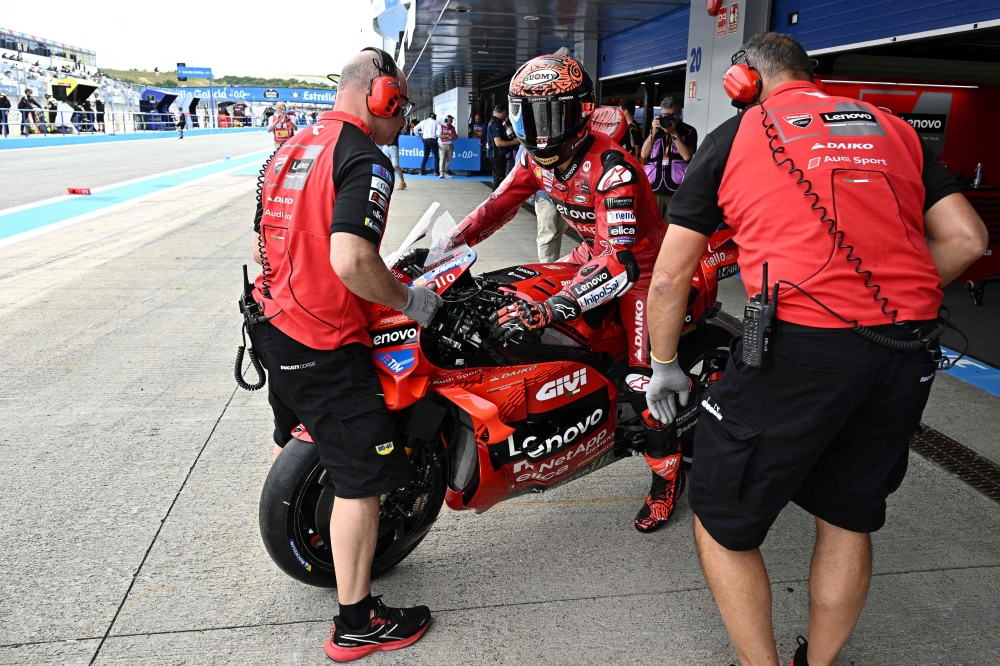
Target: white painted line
(10, 240)
(92, 144)
(102, 188)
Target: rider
(602, 193)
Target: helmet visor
(544, 123)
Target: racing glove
(421, 305)
(523, 316)
(667, 379)
(520, 317)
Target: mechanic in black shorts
(325, 201)
(826, 422)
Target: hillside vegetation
(169, 80)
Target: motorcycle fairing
(556, 419)
(402, 368)
(717, 263)
(454, 265)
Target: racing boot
(668, 479)
(387, 629)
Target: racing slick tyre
(297, 499)
(703, 356)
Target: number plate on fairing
(444, 275)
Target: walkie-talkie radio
(758, 317)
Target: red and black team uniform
(326, 179)
(827, 423)
(602, 196)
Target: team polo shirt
(874, 179)
(329, 178)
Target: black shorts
(337, 396)
(826, 425)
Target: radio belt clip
(758, 320)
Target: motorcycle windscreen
(448, 258)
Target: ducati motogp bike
(482, 419)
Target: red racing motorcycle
(483, 419)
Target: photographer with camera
(667, 152)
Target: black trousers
(430, 148)
(499, 164)
(338, 397)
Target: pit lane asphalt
(35, 174)
(132, 469)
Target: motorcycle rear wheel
(295, 507)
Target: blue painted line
(45, 214)
(975, 372)
(38, 141)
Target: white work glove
(421, 305)
(667, 379)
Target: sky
(232, 37)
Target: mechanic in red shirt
(826, 422)
(325, 204)
(601, 192)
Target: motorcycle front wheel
(297, 499)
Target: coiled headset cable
(265, 265)
(251, 310)
(928, 340)
(254, 362)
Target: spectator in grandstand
(446, 146)
(4, 105)
(391, 151)
(281, 124)
(428, 131)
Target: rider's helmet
(551, 98)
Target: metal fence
(68, 121)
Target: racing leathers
(603, 196)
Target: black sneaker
(801, 653)
(387, 629)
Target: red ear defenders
(383, 91)
(742, 82)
